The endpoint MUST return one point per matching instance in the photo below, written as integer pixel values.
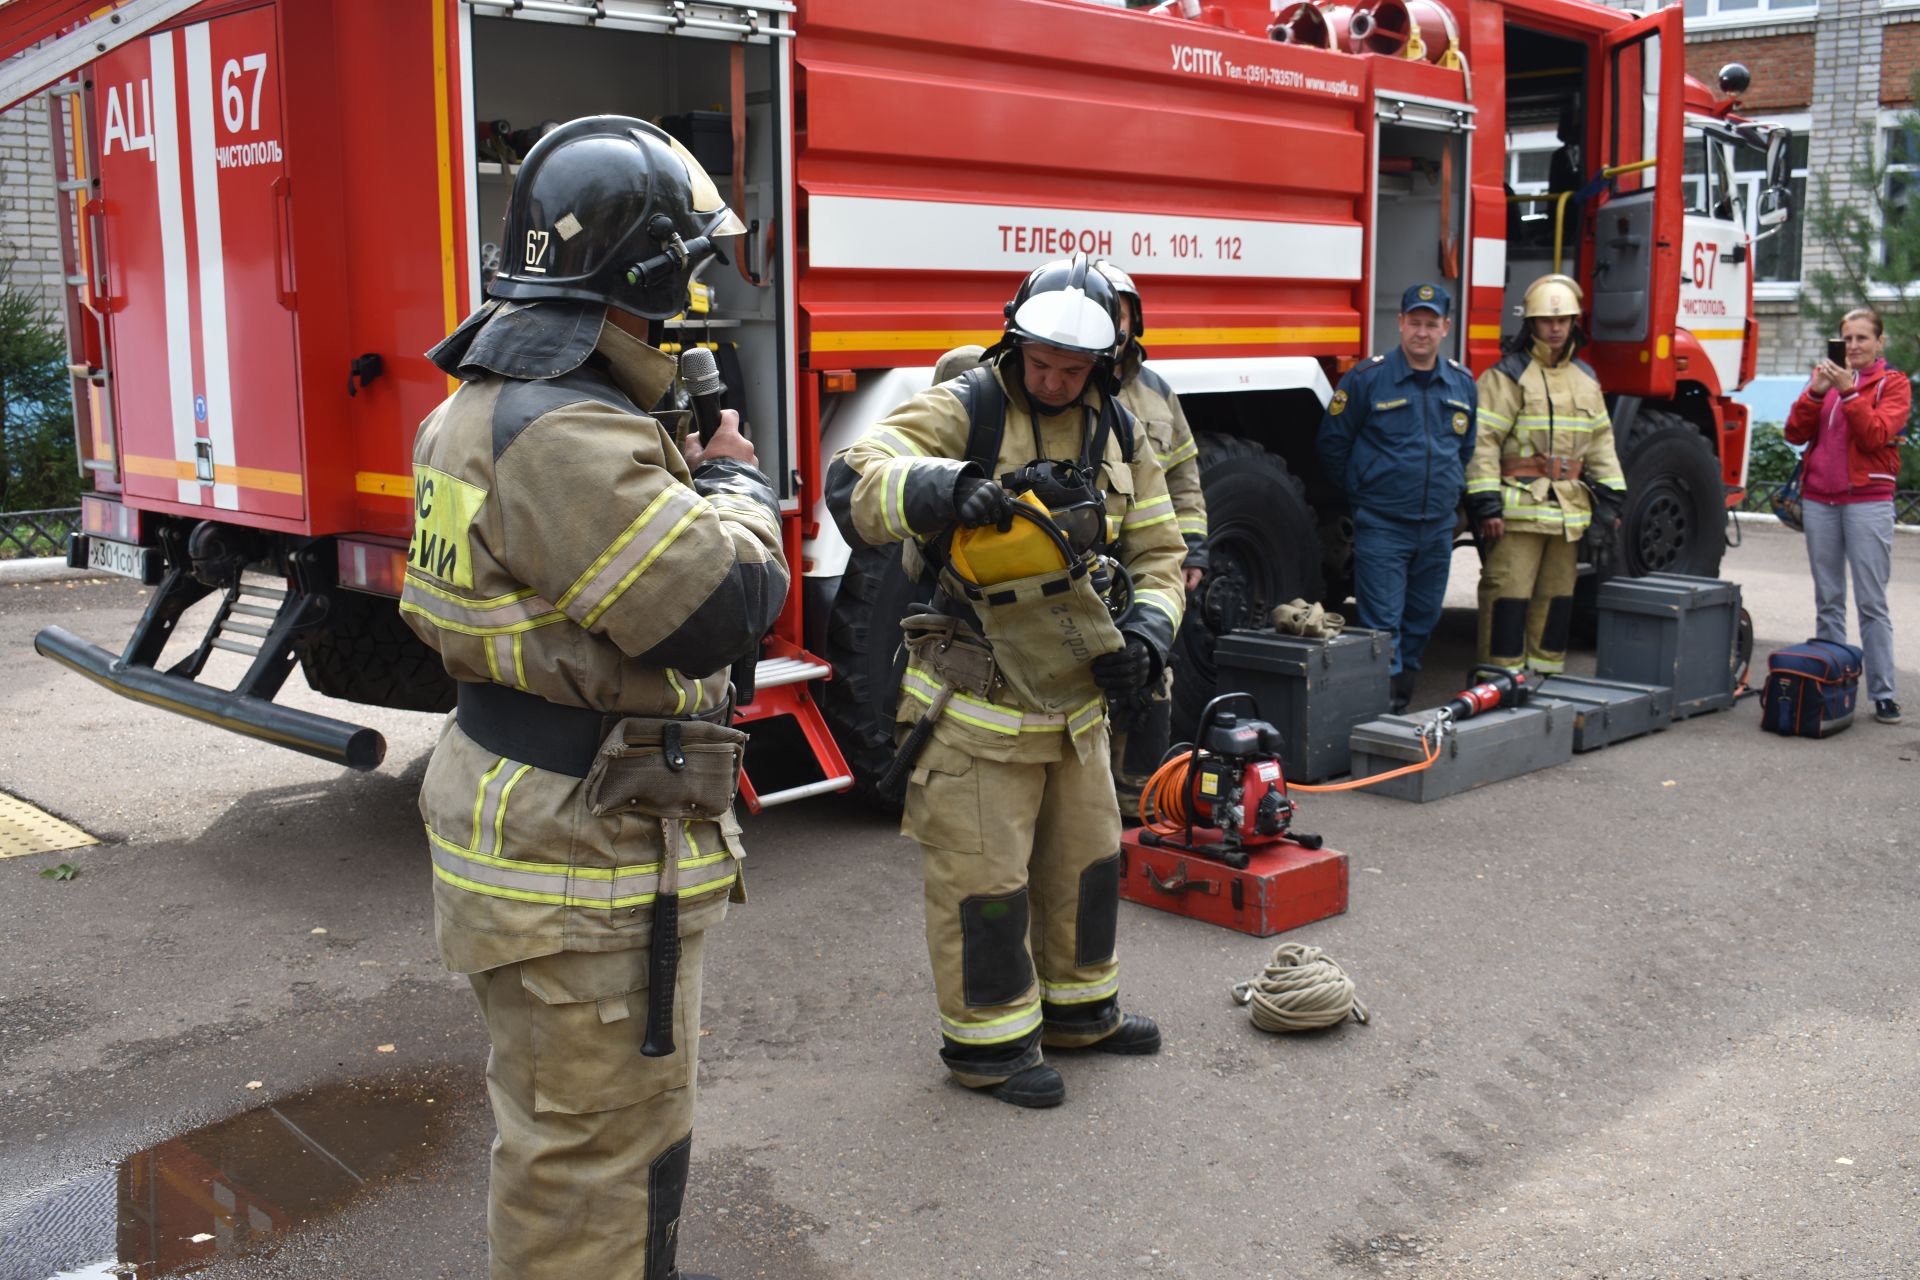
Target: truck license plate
(122, 558)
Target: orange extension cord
(1163, 801)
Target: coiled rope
(1301, 989)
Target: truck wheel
(863, 638)
(1676, 516)
(1264, 547)
(365, 653)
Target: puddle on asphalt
(236, 1187)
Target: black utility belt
(544, 734)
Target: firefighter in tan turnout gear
(1143, 726)
(588, 591)
(1024, 486)
(1543, 477)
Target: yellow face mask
(987, 557)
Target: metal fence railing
(25, 534)
(1906, 502)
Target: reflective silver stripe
(517, 612)
(626, 886)
(487, 805)
(995, 1030)
(627, 556)
(1082, 992)
(991, 715)
(1087, 717)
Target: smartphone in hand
(1837, 351)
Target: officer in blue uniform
(1395, 440)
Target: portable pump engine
(1228, 779)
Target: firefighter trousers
(590, 1162)
(1146, 733)
(1022, 877)
(1526, 600)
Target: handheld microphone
(701, 376)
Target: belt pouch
(1044, 631)
(686, 769)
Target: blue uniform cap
(1430, 296)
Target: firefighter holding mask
(1543, 477)
(588, 584)
(1047, 522)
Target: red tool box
(1283, 886)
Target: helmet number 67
(537, 242)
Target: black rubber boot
(1038, 1086)
(1401, 691)
(1136, 1034)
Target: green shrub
(37, 464)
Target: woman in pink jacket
(1848, 417)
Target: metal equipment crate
(1673, 630)
(1490, 747)
(1314, 691)
(1609, 711)
(1283, 886)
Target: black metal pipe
(352, 745)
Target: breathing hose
(1301, 989)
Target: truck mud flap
(352, 745)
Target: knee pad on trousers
(994, 965)
(1558, 627)
(1509, 633)
(1097, 926)
(666, 1191)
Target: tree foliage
(37, 465)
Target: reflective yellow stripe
(1488, 415)
(982, 714)
(893, 506)
(679, 692)
(629, 555)
(1011, 1026)
(572, 886)
(1484, 485)
(521, 611)
(1082, 992)
(1180, 455)
(500, 810)
(519, 667)
(480, 797)
(1194, 525)
(1164, 603)
(1087, 717)
(1149, 513)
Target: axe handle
(893, 783)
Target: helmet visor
(1066, 318)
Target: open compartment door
(1634, 219)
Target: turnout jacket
(562, 548)
(1395, 447)
(1163, 422)
(897, 484)
(1534, 406)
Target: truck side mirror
(1776, 207)
(1778, 144)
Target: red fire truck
(276, 206)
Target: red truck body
(277, 206)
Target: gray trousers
(1856, 536)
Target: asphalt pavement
(1647, 1014)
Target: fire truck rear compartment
(528, 73)
(1414, 242)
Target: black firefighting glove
(978, 501)
(1602, 537)
(1125, 669)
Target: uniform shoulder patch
(1338, 404)
(1459, 424)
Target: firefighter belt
(1542, 466)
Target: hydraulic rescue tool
(1228, 779)
(1498, 688)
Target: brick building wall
(29, 226)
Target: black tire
(1676, 516)
(1264, 547)
(863, 643)
(364, 653)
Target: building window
(1737, 9)
(1899, 159)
